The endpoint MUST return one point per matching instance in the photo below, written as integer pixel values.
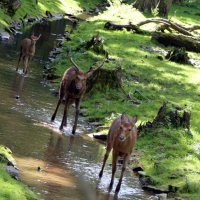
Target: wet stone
(13, 172)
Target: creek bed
(56, 166)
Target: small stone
(39, 169)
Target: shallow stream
(56, 166)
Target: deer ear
(39, 36)
(134, 119)
(89, 73)
(123, 117)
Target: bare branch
(174, 26)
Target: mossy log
(189, 43)
(170, 114)
(105, 78)
(128, 27)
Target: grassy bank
(38, 10)
(10, 188)
(169, 155)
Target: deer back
(122, 134)
(28, 45)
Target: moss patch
(10, 188)
(37, 10)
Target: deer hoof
(117, 189)
(100, 174)
(110, 187)
(52, 119)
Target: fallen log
(189, 43)
(128, 27)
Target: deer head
(126, 126)
(34, 38)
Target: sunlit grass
(55, 7)
(121, 14)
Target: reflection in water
(19, 83)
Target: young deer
(121, 138)
(72, 89)
(27, 51)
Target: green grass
(55, 7)
(165, 152)
(12, 189)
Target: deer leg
(104, 162)
(55, 112)
(28, 63)
(20, 56)
(25, 59)
(122, 174)
(65, 120)
(61, 95)
(77, 103)
(114, 164)
(65, 114)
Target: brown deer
(27, 51)
(122, 136)
(72, 89)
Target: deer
(121, 139)
(27, 51)
(72, 90)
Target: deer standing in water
(122, 136)
(27, 51)
(72, 89)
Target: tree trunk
(164, 7)
(149, 5)
(190, 43)
(105, 78)
(145, 5)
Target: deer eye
(120, 128)
(129, 129)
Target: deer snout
(79, 86)
(122, 137)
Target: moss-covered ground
(10, 188)
(32, 9)
(170, 156)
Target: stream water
(69, 165)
